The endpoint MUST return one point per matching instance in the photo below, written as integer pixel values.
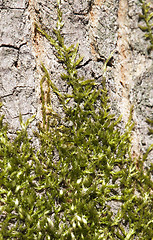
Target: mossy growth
(149, 121)
(82, 182)
(147, 27)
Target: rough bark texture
(100, 26)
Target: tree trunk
(100, 27)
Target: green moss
(147, 27)
(65, 189)
(151, 124)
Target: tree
(84, 160)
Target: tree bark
(100, 27)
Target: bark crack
(85, 11)
(16, 48)
(11, 8)
(16, 89)
(3, 7)
(9, 46)
(13, 46)
(84, 64)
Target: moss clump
(147, 27)
(68, 188)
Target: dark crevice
(91, 3)
(15, 91)
(16, 48)
(17, 59)
(16, 62)
(110, 62)
(3, 7)
(103, 60)
(12, 46)
(18, 89)
(80, 13)
(96, 77)
(11, 8)
(23, 114)
(8, 95)
(86, 10)
(9, 46)
(84, 64)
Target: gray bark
(100, 27)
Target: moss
(65, 189)
(147, 27)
